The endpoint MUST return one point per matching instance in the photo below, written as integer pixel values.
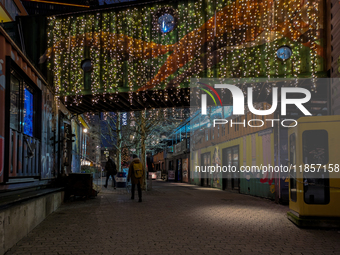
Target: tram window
(292, 142)
(316, 187)
(293, 194)
(292, 158)
(315, 146)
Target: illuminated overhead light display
(160, 47)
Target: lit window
(23, 109)
(28, 112)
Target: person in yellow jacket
(137, 176)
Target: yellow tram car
(314, 183)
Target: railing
(25, 155)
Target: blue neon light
(28, 113)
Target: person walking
(111, 170)
(136, 174)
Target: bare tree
(140, 130)
(147, 127)
(111, 132)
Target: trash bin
(121, 180)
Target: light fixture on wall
(86, 65)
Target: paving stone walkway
(176, 219)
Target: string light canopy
(147, 54)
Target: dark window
(235, 156)
(293, 194)
(315, 151)
(315, 146)
(316, 187)
(231, 158)
(292, 150)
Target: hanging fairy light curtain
(161, 46)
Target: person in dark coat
(111, 170)
(134, 180)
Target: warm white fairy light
(121, 50)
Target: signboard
(171, 175)
(120, 179)
(152, 175)
(124, 119)
(180, 147)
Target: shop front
(26, 120)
